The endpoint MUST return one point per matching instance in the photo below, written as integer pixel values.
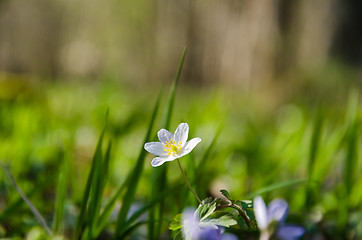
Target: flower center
(172, 148)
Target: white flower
(172, 146)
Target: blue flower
(271, 220)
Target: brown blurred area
(248, 43)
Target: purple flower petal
(190, 224)
(277, 210)
(290, 232)
(228, 236)
(209, 234)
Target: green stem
(188, 184)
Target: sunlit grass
(89, 176)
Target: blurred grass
(48, 136)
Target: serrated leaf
(208, 224)
(208, 200)
(176, 223)
(205, 210)
(219, 218)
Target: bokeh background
(271, 79)
(246, 44)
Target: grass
(89, 177)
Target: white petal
(181, 134)
(260, 212)
(164, 135)
(156, 148)
(189, 146)
(157, 161)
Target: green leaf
(209, 200)
(225, 193)
(245, 204)
(219, 218)
(176, 223)
(205, 210)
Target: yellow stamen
(172, 148)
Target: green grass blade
(97, 192)
(58, 222)
(207, 154)
(130, 229)
(108, 209)
(350, 163)
(201, 166)
(90, 182)
(36, 213)
(352, 152)
(146, 207)
(135, 176)
(314, 147)
(171, 100)
(159, 175)
(106, 161)
(275, 187)
(352, 143)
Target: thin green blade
(275, 187)
(134, 177)
(90, 181)
(58, 223)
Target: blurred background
(280, 79)
(246, 44)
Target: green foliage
(36, 213)
(225, 193)
(90, 205)
(62, 187)
(306, 153)
(176, 223)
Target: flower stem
(188, 184)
